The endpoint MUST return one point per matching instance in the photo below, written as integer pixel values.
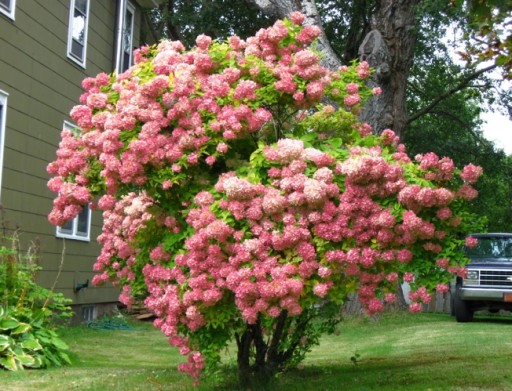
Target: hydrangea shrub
(242, 198)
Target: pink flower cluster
(122, 220)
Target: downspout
(118, 46)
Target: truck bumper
(467, 293)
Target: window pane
(67, 228)
(126, 62)
(77, 49)
(491, 247)
(81, 5)
(6, 4)
(79, 27)
(83, 222)
(127, 40)
(128, 29)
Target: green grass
(398, 352)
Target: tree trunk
(378, 112)
(389, 48)
(259, 361)
(243, 354)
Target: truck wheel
(461, 308)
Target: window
(7, 7)
(77, 33)
(88, 313)
(3, 120)
(125, 40)
(80, 227)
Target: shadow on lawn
(494, 319)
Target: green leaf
(59, 344)
(22, 328)
(26, 360)
(8, 323)
(65, 357)
(31, 344)
(38, 362)
(5, 342)
(9, 363)
(44, 339)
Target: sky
(498, 128)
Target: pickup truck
(488, 282)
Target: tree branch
(462, 84)
(276, 339)
(453, 117)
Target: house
(46, 49)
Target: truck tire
(461, 308)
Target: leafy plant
(27, 342)
(18, 287)
(28, 313)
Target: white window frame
(72, 56)
(3, 122)
(126, 8)
(70, 230)
(9, 11)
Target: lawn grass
(398, 352)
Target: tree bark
(244, 342)
(378, 112)
(389, 48)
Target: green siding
(43, 85)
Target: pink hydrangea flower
(471, 173)
(203, 41)
(415, 307)
(471, 242)
(297, 17)
(408, 277)
(352, 88)
(351, 100)
(321, 289)
(363, 70)
(442, 288)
